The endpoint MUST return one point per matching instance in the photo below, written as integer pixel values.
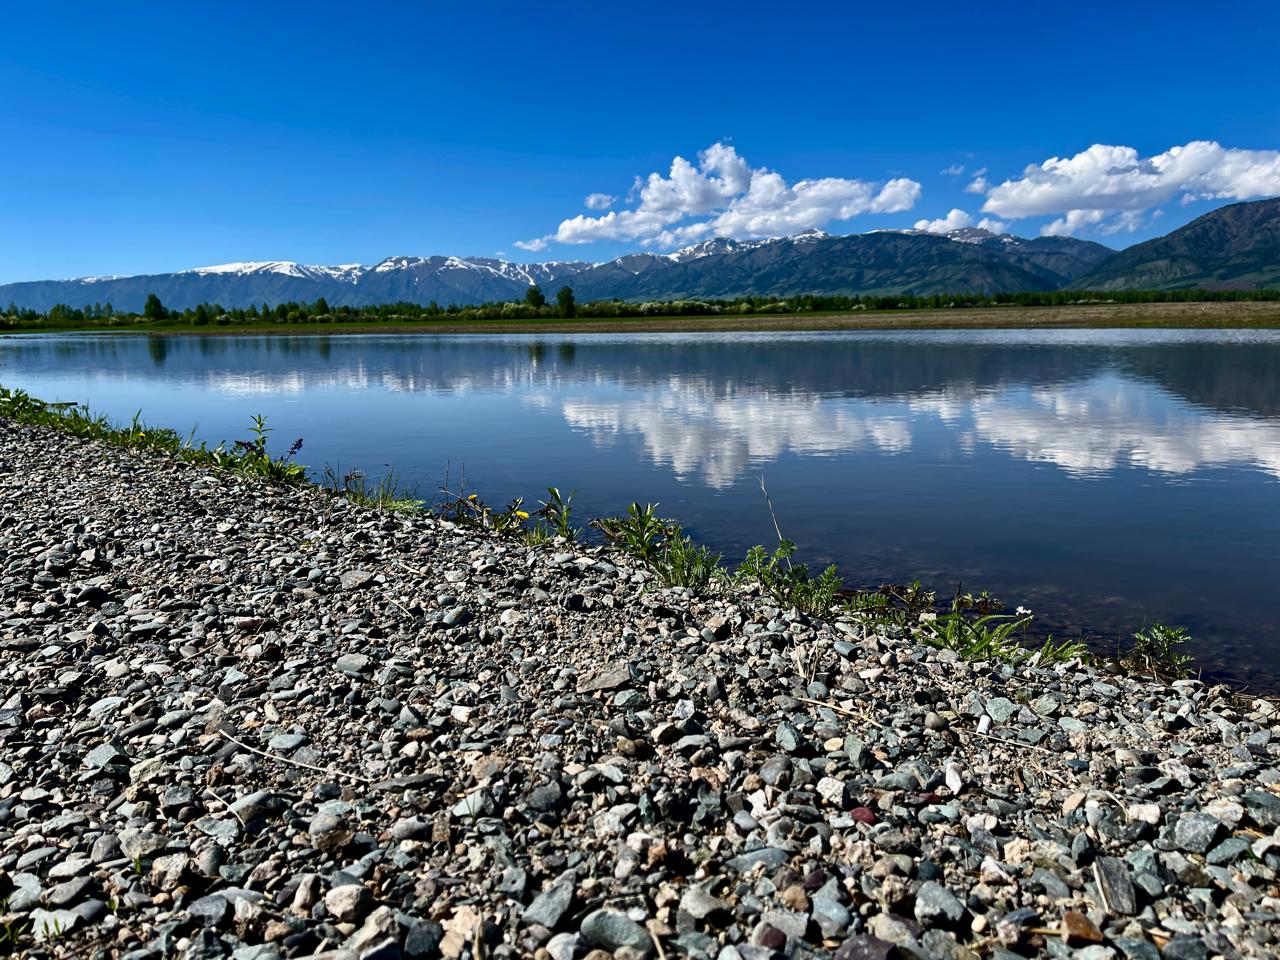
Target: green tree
(154, 309)
(534, 298)
(564, 299)
(321, 307)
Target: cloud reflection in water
(1086, 427)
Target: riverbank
(1241, 315)
(239, 714)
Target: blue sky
(151, 137)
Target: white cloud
(978, 185)
(723, 196)
(1115, 181)
(1073, 221)
(954, 220)
(1128, 222)
(955, 170)
(599, 201)
(536, 245)
(994, 225)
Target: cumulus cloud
(1110, 187)
(978, 185)
(994, 225)
(535, 245)
(722, 195)
(954, 220)
(1067, 225)
(599, 201)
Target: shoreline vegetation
(246, 717)
(1061, 309)
(973, 626)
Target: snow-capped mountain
(344, 272)
(810, 262)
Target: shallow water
(1102, 478)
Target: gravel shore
(256, 722)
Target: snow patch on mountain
(959, 235)
(345, 272)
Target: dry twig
(294, 763)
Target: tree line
(536, 306)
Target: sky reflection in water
(1101, 477)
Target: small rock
(1115, 885)
(1197, 832)
(348, 903)
(613, 930)
(548, 907)
(1078, 930)
(866, 947)
(936, 905)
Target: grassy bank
(1215, 315)
(972, 626)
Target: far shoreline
(1242, 315)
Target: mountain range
(1233, 247)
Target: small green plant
(1063, 652)
(989, 637)
(892, 605)
(639, 534)
(536, 535)
(787, 583)
(682, 563)
(53, 929)
(12, 932)
(1154, 651)
(468, 510)
(871, 603)
(254, 458)
(385, 495)
(982, 604)
(511, 519)
(557, 510)
(12, 935)
(662, 547)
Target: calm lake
(1101, 478)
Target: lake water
(1101, 478)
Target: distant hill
(913, 262)
(446, 280)
(1236, 247)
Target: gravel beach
(246, 721)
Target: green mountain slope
(1232, 248)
